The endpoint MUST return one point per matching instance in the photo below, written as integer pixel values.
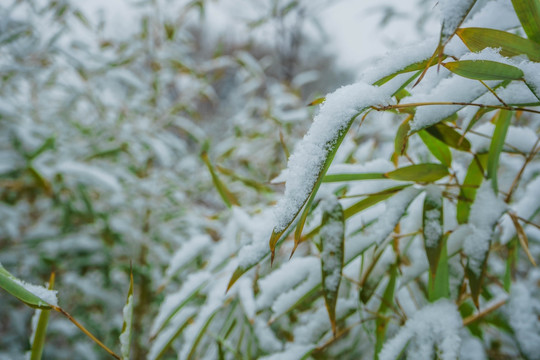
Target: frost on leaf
(433, 225)
(125, 336)
(332, 243)
(432, 330)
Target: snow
(178, 321)
(125, 336)
(399, 59)
(485, 212)
(436, 325)
(489, 16)
(332, 235)
(432, 226)
(283, 287)
(526, 207)
(531, 72)
(172, 302)
(246, 296)
(187, 252)
(452, 14)
(89, 174)
(266, 337)
(49, 297)
(378, 232)
(293, 352)
(308, 159)
(523, 311)
(452, 89)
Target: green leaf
(419, 173)
(38, 340)
(439, 283)
(166, 337)
(402, 137)
(125, 335)
(511, 261)
(421, 65)
(477, 39)
(332, 249)
(439, 149)
(484, 70)
(449, 136)
(386, 303)
(496, 146)
(200, 335)
(26, 293)
(467, 192)
(228, 198)
(352, 177)
(432, 226)
(528, 12)
(371, 200)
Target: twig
(470, 319)
(88, 333)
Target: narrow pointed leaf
(421, 65)
(528, 12)
(386, 303)
(432, 226)
(439, 149)
(511, 260)
(449, 136)
(402, 137)
(497, 143)
(484, 70)
(467, 192)
(419, 173)
(371, 200)
(228, 198)
(38, 339)
(125, 335)
(477, 39)
(353, 177)
(317, 101)
(439, 283)
(32, 295)
(332, 243)
(167, 336)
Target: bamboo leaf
(421, 65)
(477, 39)
(419, 173)
(317, 101)
(449, 136)
(484, 70)
(228, 198)
(32, 295)
(432, 226)
(439, 283)
(497, 143)
(439, 149)
(386, 303)
(371, 200)
(352, 177)
(467, 192)
(511, 260)
(332, 145)
(528, 12)
(332, 243)
(402, 137)
(38, 339)
(127, 312)
(175, 327)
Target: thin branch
(87, 333)
(470, 319)
(529, 158)
(453, 103)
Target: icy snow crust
(309, 157)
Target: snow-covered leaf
(332, 247)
